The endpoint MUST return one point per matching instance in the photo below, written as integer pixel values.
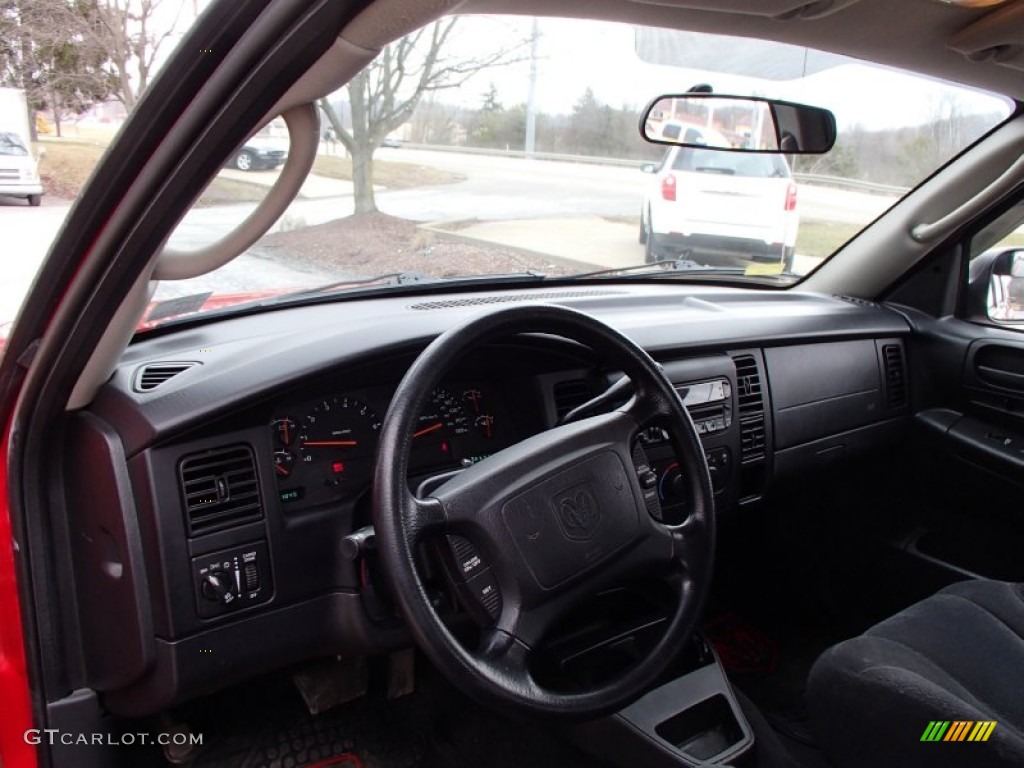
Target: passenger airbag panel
(823, 389)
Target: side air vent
(476, 301)
(895, 376)
(152, 375)
(219, 489)
(751, 408)
(571, 393)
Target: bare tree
(49, 52)
(125, 30)
(385, 94)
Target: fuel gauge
(283, 463)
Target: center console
(692, 717)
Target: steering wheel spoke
(643, 408)
(423, 517)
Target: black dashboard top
(241, 360)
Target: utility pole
(531, 101)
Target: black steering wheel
(556, 517)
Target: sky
(574, 55)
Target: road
(495, 189)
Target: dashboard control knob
(217, 587)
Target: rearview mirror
(738, 124)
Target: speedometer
(335, 443)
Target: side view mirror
(738, 124)
(648, 168)
(996, 286)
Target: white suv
(19, 176)
(706, 202)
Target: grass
(822, 238)
(67, 165)
(1015, 239)
(386, 174)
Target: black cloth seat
(956, 656)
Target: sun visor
(997, 37)
(775, 9)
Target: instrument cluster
(325, 449)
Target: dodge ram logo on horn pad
(577, 512)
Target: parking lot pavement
(26, 234)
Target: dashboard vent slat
(750, 401)
(150, 376)
(570, 394)
(895, 376)
(476, 301)
(220, 489)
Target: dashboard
(237, 490)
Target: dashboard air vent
(475, 301)
(152, 375)
(571, 393)
(751, 407)
(219, 489)
(895, 376)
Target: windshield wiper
(669, 266)
(403, 280)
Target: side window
(999, 248)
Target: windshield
(514, 149)
(10, 144)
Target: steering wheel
(554, 518)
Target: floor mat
(741, 648)
(435, 727)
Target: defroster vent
(750, 400)
(219, 489)
(895, 376)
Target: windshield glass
(10, 144)
(494, 146)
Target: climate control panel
(231, 579)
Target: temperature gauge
(284, 430)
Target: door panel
(969, 448)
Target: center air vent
(570, 394)
(895, 376)
(750, 400)
(219, 489)
(152, 375)
(475, 301)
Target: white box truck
(19, 174)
